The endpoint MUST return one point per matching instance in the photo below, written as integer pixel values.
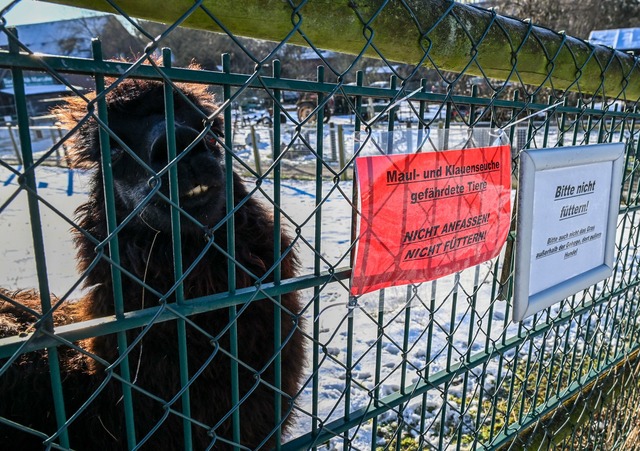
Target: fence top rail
(442, 33)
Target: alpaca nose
(184, 137)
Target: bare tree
(575, 18)
(117, 40)
(189, 45)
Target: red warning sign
(427, 215)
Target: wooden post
(16, 149)
(341, 156)
(256, 151)
(332, 140)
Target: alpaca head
(139, 152)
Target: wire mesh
(216, 314)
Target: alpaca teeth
(197, 190)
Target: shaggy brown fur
(136, 116)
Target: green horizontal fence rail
(436, 365)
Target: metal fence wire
(151, 299)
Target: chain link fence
(151, 299)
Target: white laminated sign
(568, 203)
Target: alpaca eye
(116, 154)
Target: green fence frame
(563, 379)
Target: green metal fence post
(277, 253)
(174, 196)
(231, 263)
(114, 250)
(35, 219)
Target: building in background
(71, 37)
(623, 39)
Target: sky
(29, 11)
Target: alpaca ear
(74, 117)
(83, 150)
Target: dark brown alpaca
(137, 118)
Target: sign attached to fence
(427, 215)
(568, 203)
